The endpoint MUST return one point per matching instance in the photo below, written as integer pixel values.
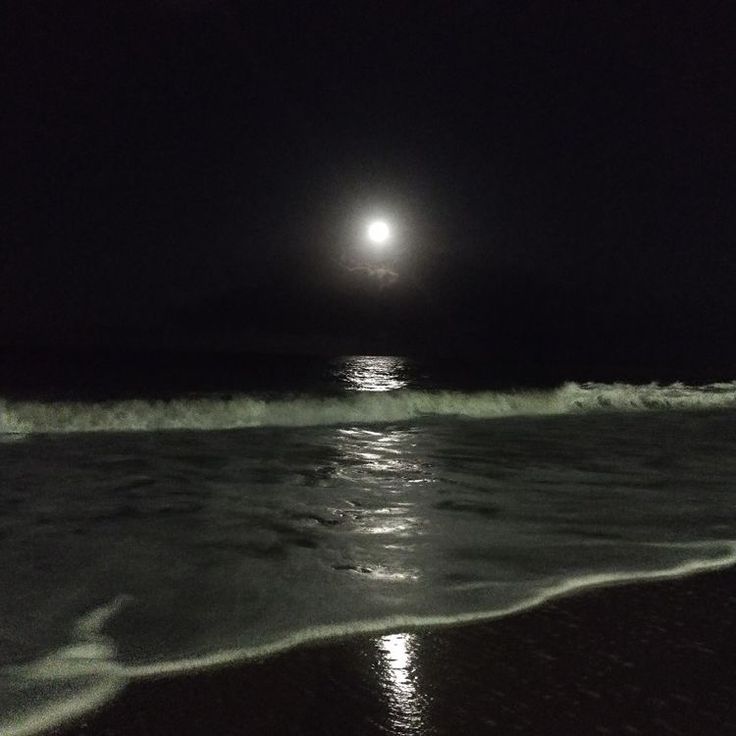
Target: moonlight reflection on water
(372, 373)
(397, 653)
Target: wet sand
(654, 658)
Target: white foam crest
(652, 396)
(402, 623)
(138, 415)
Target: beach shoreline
(646, 657)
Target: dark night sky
(188, 173)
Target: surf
(356, 408)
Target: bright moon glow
(378, 232)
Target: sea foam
(139, 415)
(544, 594)
(106, 678)
(70, 682)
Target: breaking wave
(139, 415)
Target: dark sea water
(157, 527)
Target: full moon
(378, 232)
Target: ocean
(150, 529)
